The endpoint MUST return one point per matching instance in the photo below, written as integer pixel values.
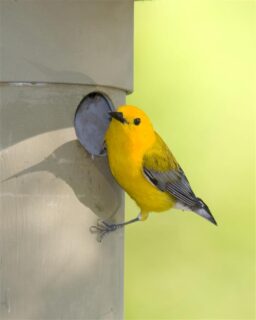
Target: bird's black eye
(136, 121)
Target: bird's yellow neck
(130, 145)
(134, 145)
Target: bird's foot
(102, 228)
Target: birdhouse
(63, 66)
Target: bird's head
(129, 123)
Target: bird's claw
(102, 228)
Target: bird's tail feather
(203, 210)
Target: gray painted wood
(77, 41)
(52, 191)
(51, 266)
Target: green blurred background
(195, 77)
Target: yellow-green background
(194, 77)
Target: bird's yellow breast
(125, 160)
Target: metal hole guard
(92, 120)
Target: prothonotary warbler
(145, 168)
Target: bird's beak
(118, 116)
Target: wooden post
(52, 54)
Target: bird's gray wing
(175, 183)
(162, 170)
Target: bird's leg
(103, 227)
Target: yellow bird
(145, 168)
